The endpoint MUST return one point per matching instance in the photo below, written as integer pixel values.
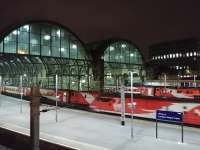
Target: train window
(179, 91)
(105, 99)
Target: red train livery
(147, 99)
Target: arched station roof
(116, 50)
(42, 38)
(40, 50)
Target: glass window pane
(74, 83)
(1, 47)
(34, 44)
(10, 47)
(55, 41)
(10, 42)
(55, 51)
(35, 28)
(23, 37)
(55, 31)
(83, 83)
(127, 55)
(23, 48)
(46, 29)
(46, 51)
(106, 55)
(46, 40)
(81, 53)
(112, 54)
(73, 50)
(23, 40)
(65, 82)
(64, 47)
(35, 49)
(24, 28)
(118, 55)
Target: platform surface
(91, 131)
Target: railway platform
(91, 131)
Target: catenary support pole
(122, 105)
(1, 84)
(56, 98)
(21, 92)
(34, 117)
(156, 129)
(132, 107)
(1, 88)
(182, 131)
(195, 84)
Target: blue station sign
(169, 116)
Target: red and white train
(148, 99)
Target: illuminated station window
(42, 50)
(119, 58)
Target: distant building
(179, 58)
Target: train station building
(40, 50)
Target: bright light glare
(111, 48)
(62, 49)
(47, 37)
(58, 33)
(123, 45)
(74, 46)
(83, 81)
(15, 32)
(26, 27)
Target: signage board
(169, 116)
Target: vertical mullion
(69, 85)
(29, 40)
(3, 46)
(88, 76)
(51, 36)
(40, 26)
(17, 41)
(69, 62)
(60, 43)
(69, 46)
(77, 48)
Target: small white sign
(130, 106)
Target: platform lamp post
(1, 88)
(195, 84)
(1, 84)
(165, 83)
(21, 92)
(124, 82)
(122, 104)
(56, 98)
(165, 79)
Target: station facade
(40, 50)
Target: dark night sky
(144, 22)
